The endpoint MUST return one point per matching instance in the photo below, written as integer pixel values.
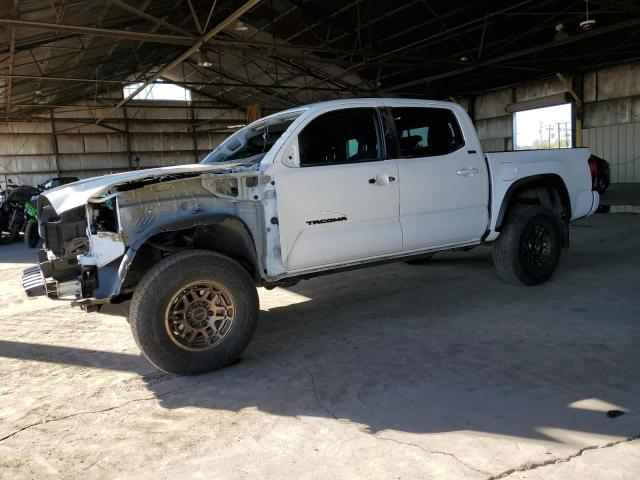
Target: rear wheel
(528, 249)
(194, 312)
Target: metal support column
(577, 84)
(128, 138)
(194, 135)
(54, 142)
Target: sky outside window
(548, 127)
(159, 91)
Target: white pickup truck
(307, 191)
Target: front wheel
(31, 235)
(194, 312)
(528, 249)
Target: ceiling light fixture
(203, 60)
(587, 24)
(561, 34)
(241, 26)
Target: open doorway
(548, 127)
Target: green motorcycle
(31, 235)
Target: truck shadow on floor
(425, 349)
(461, 352)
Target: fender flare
(533, 181)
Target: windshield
(252, 142)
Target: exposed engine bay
(91, 250)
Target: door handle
(467, 172)
(381, 180)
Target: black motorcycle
(3, 198)
(12, 216)
(4, 193)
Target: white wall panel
(620, 146)
(158, 136)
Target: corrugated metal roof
(301, 51)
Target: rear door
(341, 203)
(443, 181)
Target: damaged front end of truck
(101, 235)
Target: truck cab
(362, 180)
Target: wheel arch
(223, 233)
(535, 186)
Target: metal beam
(54, 143)
(179, 40)
(61, 79)
(195, 18)
(567, 86)
(206, 23)
(426, 41)
(452, 30)
(236, 83)
(100, 32)
(325, 21)
(147, 16)
(242, 82)
(188, 53)
(446, 28)
(348, 60)
(520, 53)
(82, 107)
(12, 47)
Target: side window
(426, 132)
(342, 136)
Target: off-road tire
(31, 236)
(420, 261)
(153, 295)
(510, 249)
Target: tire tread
(506, 247)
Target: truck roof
(363, 102)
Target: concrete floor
(435, 371)
(622, 194)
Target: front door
(443, 181)
(341, 203)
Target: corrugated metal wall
(611, 116)
(158, 133)
(620, 145)
(611, 122)
(494, 124)
(163, 136)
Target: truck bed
(570, 164)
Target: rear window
(426, 132)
